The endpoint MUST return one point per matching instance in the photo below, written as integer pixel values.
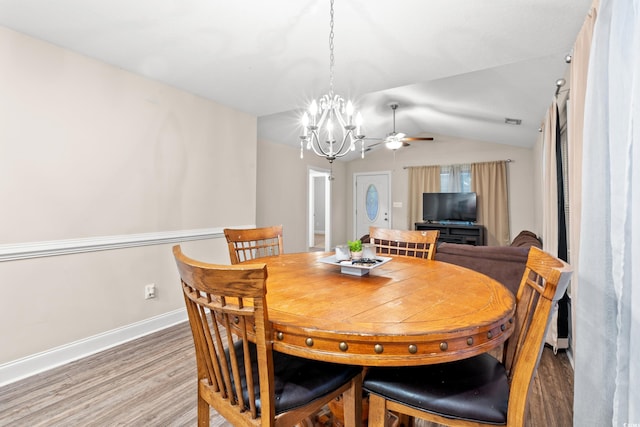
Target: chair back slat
(224, 303)
(218, 377)
(414, 243)
(252, 243)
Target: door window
(372, 202)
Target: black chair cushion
(474, 389)
(298, 381)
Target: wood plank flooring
(151, 382)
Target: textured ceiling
(457, 67)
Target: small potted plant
(355, 247)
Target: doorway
(372, 200)
(319, 210)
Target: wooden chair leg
(377, 411)
(203, 412)
(352, 403)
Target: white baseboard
(40, 362)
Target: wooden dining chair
(481, 390)
(420, 244)
(252, 243)
(239, 374)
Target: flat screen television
(449, 207)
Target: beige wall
(282, 192)
(88, 150)
(446, 151)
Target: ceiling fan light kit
(395, 140)
(393, 143)
(330, 127)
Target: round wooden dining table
(408, 311)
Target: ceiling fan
(395, 140)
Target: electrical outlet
(150, 291)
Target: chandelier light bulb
(329, 131)
(349, 112)
(313, 109)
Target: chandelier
(329, 126)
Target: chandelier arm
(340, 153)
(315, 145)
(340, 119)
(323, 118)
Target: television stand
(451, 232)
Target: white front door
(372, 202)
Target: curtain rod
(506, 161)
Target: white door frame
(313, 173)
(355, 201)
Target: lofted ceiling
(456, 67)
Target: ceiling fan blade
(371, 147)
(418, 138)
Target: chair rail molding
(17, 251)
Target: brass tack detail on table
(489, 334)
(470, 341)
(309, 342)
(378, 348)
(236, 320)
(444, 346)
(413, 349)
(280, 336)
(344, 346)
(503, 327)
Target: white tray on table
(347, 267)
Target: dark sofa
(504, 263)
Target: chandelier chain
(331, 56)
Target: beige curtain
(549, 183)
(550, 202)
(577, 91)
(422, 179)
(489, 181)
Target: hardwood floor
(151, 382)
